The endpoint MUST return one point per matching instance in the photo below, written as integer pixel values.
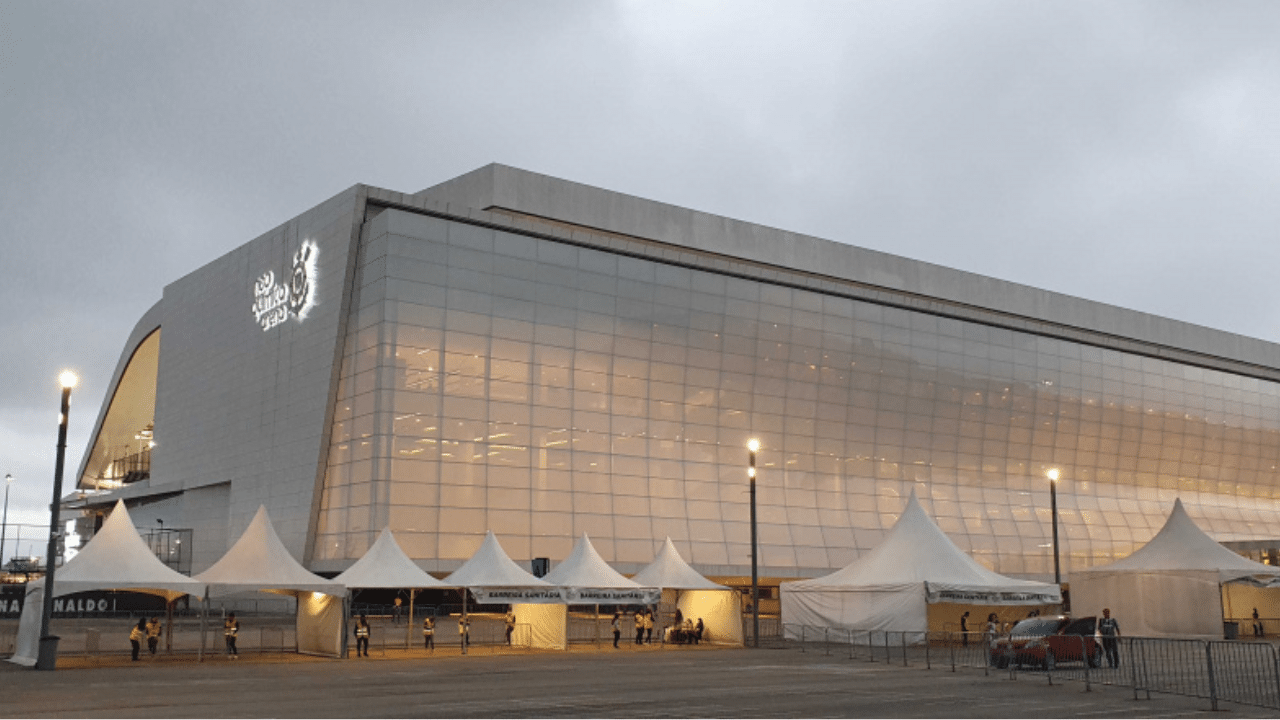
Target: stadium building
(515, 352)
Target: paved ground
(641, 683)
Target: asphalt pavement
(646, 682)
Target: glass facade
(494, 380)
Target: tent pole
(597, 625)
(343, 647)
(408, 627)
(168, 626)
(204, 623)
(462, 636)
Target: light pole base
(47, 659)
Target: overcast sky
(1125, 152)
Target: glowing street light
(753, 445)
(47, 658)
(1053, 509)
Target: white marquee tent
(695, 596)
(1174, 585)
(116, 558)
(493, 577)
(386, 566)
(890, 588)
(584, 578)
(260, 562)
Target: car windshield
(1036, 627)
(1083, 626)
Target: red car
(1046, 641)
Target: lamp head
(67, 379)
(753, 445)
(1053, 474)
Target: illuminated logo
(273, 303)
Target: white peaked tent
(386, 565)
(695, 596)
(116, 558)
(889, 589)
(1172, 586)
(584, 578)
(260, 562)
(493, 577)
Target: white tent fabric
(117, 558)
(720, 612)
(889, 588)
(1172, 586)
(492, 576)
(719, 607)
(586, 578)
(541, 626)
(386, 565)
(259, 561)
(669, 570)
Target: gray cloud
(1123, 152)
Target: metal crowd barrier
(1244, 672)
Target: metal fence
(1245, 672)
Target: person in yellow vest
(648, 626)
(639, 627)
(153, 634)
(429, 634)
(464, 630)
(511, 624)
(230, 629)
(138, 632)
(362, 636)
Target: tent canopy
(490, 566)
(1182, 546)
(916, 551)
(386, 565)
(259, 561)
(117, 558)
(890, 588)
(669, 570)
(585, 568)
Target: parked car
(1048, 640)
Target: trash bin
(1231, 630)
(48, 657)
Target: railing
(1241, 672)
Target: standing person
(1257, 624)
(639, 628)
(511, 623)
(395, 610)
(648, 626)
(464, 630)
(964, 629)
(362, 636)
(1109, 629)
(992, 633)
(138, 632)
(429, 634)
(617, 626)
(230, 629)
(697, 631)
(153, 634)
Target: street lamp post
(4, 524)
(753, 445)
(1053, 509)
(47, 658)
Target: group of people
(148, 630)
(682, 630)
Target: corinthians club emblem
(273, 303)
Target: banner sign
(567, 596)
(612, 596)
(530, 595)
(979, 597)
